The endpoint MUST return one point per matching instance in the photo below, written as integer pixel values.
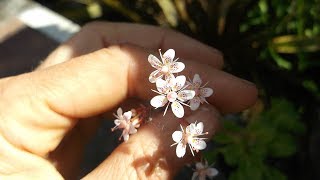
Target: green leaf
(233, 154)
(274, 174)
(284, 116)
(283, 145)
(248, 170)
(223, 138)
(231, 126)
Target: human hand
(47, 116)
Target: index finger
(98, 35)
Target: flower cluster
(175, 91)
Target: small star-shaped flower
(203, 170)
(166, 67)
(123, 122)
(202, 92)
(189, 137)
(171, 91)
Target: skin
(48, 115)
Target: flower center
(197, 91)
(165, 69)
(172, 96)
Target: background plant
(273, 43)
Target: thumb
(38, 108)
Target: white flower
(123, 121)
(190, 137)
(172, 91)
(201, 92)
(203, 170)
(166, 67)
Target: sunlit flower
(172, 91)
(166, 67)
(124, 122)
(203, 170)
(191, 137)
(201, 92)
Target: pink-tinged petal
(159, 101)
(198, 144)
(197, 81)
(162, 86)
(127, 115)
(177, 109)
(199, 128)
(154, 61)
(195, 176)
(191, 128)
(119, 112)
(172, 81)
(179, 83)
(177, 136)
(132, 130)
(117, 122)
(168, 78)
(186, 95)
(180, 150)
(126, 137)
(168, 56)
(206, 92)
(194, 103)
(211, 172)
(177, 67)
(155, 75)
(199, 166)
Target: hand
(48, 115)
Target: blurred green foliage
(271, 133)
(273, 43)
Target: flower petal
(168, 78)
(186, 95)
(159, 101)
(195, 175)
(198, 144)
(194, 103)
(177, 109)
(197, 81)
(119, 112)
(199, 128)
(191, 129)
(177, 67)
(155, 75)
(206, 92)
(199, 166)
(180, 150)
(154, 61)
(168, 56)
(132, 130)
(162, 86)
(179, 83)
(211, 172)
(177, 136)
(127, 115)
(126, 137)
(117, 122)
